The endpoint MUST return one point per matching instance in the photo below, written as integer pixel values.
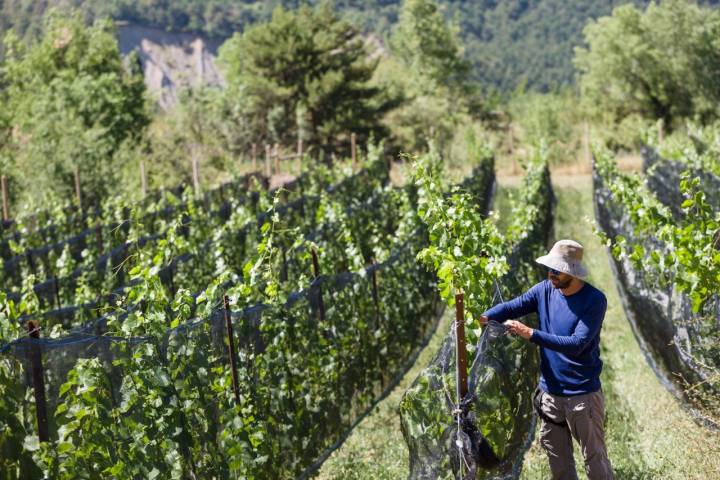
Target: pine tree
(306, 73)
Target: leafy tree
(661, 63)
(507, 43)
(207, 124)
(305, 73)
(430, 47)
(554, 118)
(429, 68)
(70, 103)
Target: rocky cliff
(171, 61)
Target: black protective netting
(679, 345)
(163, 405)
(56, 291)
(306, 371)
(663, 178)
(75, 233)
(497, 419)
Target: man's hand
(519, 329)
(484, 320)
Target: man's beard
(557, 283)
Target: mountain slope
(509, 42)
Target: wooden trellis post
(268, 172)
(99, 239)
(195, 171)
(511, 147)
(231, 348)
(30, 261)
(38, 379)
(254, 157)
(586, 143)
(353, 151)
(78, 193)
(376, 298)
(56, 287)
(171, 279)
(284, 268)
(460, 349)
(276, 154)
(299, 155)
(511, 140)
(316, 274)
(143, 178)
(5, 206)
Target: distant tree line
(508, 43)
(71, 102)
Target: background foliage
(658, 64)
(509, 43)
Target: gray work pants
(582, 417)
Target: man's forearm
(515, 308)
(568, 344)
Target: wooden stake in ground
(231, 348)
(143, 178)
(78, 193)
(376, 298)
(276, 154)
(254, 157)
(195, 171)
(316, 273)
(284, 268)
(268, 172)
(38, 380)
(586, 143)
(299, 156)
(511, 147)
(5, 206)
(460, 349)
(353, 151)
(56, 288)
(661, 133)
(511, 140)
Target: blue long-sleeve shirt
(568, 335)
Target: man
(569, 399)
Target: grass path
(648, 435)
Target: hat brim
(557, 263)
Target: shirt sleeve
(517, 307)
(587, 328)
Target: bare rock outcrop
(171, 61)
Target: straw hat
(565, 256)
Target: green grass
(648, 435)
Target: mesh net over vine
(308, 369)
(304, 375)
(496, 419)
(109, 237)
(109, 269)
(680, 346)
(77, 235)
(663, 178)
